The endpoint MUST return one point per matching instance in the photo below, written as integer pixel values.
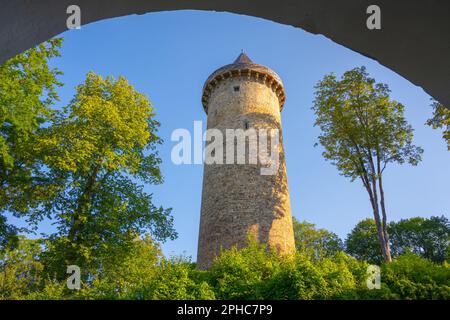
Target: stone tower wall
(237, 200)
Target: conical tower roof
(243, 66)
(242, 58)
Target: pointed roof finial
(243, 58)
(247, 66)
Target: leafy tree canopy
(362, 242)
(362, 131)
(441, 120)
(429, 238)
(27, 92)
(21, 269)
(97, 150)
(426, 237)
(359, 121)
(316, 242)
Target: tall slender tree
(363, 131)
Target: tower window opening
(236, 88)
(246, 125)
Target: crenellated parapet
(244, 68)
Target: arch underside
(414, 40)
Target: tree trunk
(381, 225)
(384, 224)
(367, 180)
(83, 202)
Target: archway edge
(414, 39)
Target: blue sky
(169, 56)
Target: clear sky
(169, 56)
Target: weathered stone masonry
(237, 200)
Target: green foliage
(242, 274)
(426, 237)
(250, 273)
(124, 274)
(316, 242)
(8, 234)
(141, 273)
(27, 89)
(362, 242)
(429, 238)
(27, 92)
(51, 290)
(20, 269)
(359, 121)
(362, 131)
(441, 120)
(326, 278)
(255, 273)
(82, 167)
(412, 277)
(178, 279)
(96, 151)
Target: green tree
(441, 120)
(429, 238)
(140, 273)
(363, 131)
(20, 269)
(27, 92)
(363, 244)
(97, 151)
(316, 242)
(126, 276)
(8, 234)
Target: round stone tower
(238, 201)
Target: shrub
(241, 274)
(177, 279)
(256, 273)
(412, 277)
(253, 272)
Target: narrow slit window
(246, 125)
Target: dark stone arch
(414, 40)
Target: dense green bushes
(250, 273)
(412, 277)
(253, 273)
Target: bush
(249, 273)
(177, 279)
(412, 277)
(242, 274)
(255, 273)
